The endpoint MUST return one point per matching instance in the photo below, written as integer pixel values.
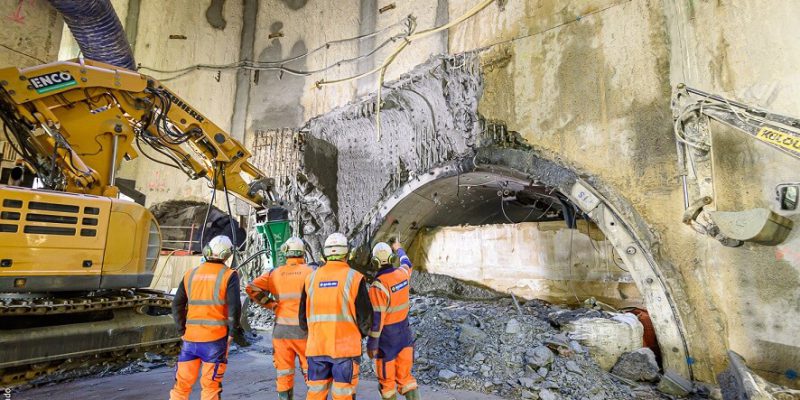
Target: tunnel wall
(32, 33)
(533, 260)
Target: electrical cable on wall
(278, 65)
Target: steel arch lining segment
(645, 272)
(529, 167)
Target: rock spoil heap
(511, 350)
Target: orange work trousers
(395, 375)
(207, 358)
(284, 353)
(336, 375)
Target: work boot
(287, 395)
(412, 394)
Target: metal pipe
(113, 172)
(685, 192)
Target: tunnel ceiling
(474, 198)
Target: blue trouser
(212, 357)
(324, 372)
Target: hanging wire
(408, 22)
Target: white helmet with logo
(336, 247)
(218, 249)
(293, 247)
(382, 254)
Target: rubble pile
(509, 348)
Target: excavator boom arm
(74, 122)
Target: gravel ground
(250, 375)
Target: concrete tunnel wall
(585, 83)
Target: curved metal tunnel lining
(644, 270)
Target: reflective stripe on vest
(287, 296)
(210, 322)
(401, 307)
(344, 316)
(382, 309)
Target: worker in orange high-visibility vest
(279, 290)
(207, 309)
(390, 340)
(335, 309)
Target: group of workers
(322, 316)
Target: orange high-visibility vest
(331, 294)
(207, 317)
(285, 283)
(395, 287)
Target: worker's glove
(239, 339)
(396, 245)
(372, 353)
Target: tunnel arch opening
(509, 186)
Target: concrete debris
(540, 356)
(607, 338)
(491, 347)
(638, 365)
(513, 327)
(446, 375)
(563, 317)
(445, 286)
(673, 383)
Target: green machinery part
(275, 231)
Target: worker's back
(396, 282)
(206, 290)
(331, 293)
(286, 285)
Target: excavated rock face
(429, 117)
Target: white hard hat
(382, 254)
(218, 249)
(293, 247)
(335, 247)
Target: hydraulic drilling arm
(692, 112)
(74, 256)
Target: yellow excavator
(74, 258)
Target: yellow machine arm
(73, 122)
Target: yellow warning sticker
(778, 138)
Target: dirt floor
(250, 375)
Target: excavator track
(49, 306)
(43, 334)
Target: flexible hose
(97, 29)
